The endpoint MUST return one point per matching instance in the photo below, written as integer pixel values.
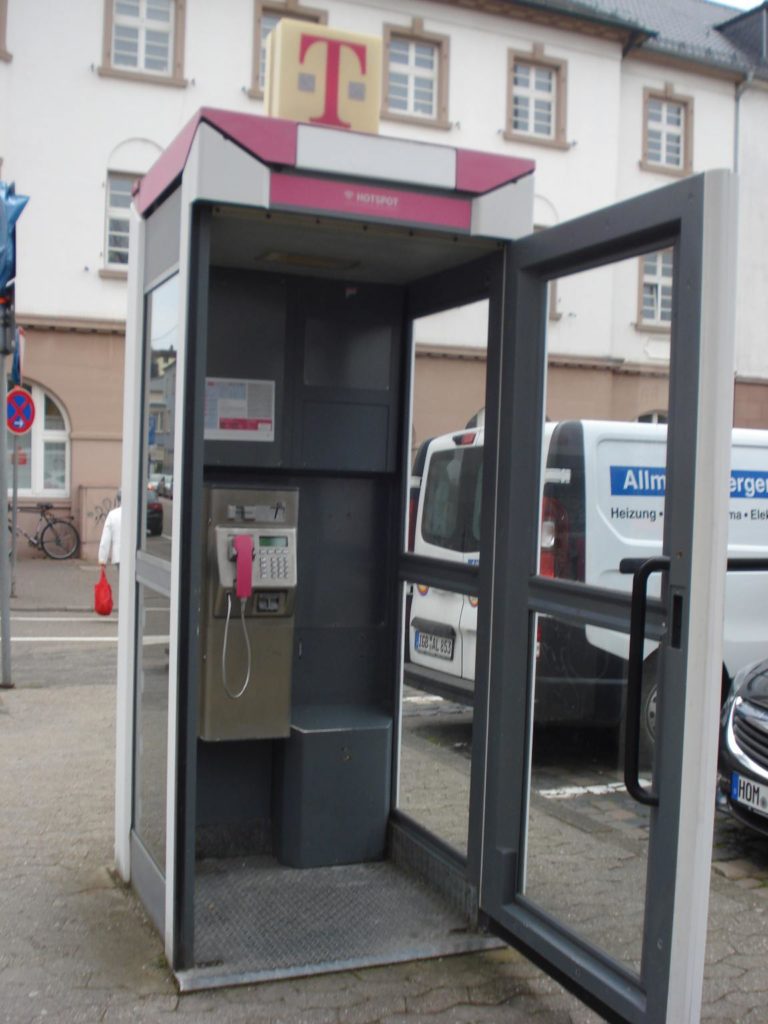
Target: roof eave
(576, 14)
(736, 72)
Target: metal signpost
(6, 336)
(11, 206)
(20, 415)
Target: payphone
(249, 594)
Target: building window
(42, 454)
(533, 100)
(412, 85)
(656, 271)
(536, 98)
(119, 190)
(667, 132)
(4, 54)
(144, 39)
(266, 17)
(415, 75)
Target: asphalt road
(63, 649)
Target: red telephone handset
(243, 545)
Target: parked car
(743, 773)
(154, 512)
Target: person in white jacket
(109, 546)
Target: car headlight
(752, 678)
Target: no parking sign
(20, 413)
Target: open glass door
(599, 722)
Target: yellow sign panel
(322, 76)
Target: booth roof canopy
(274, 141)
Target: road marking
(421, 700)
(569, 792)
(64, 639)
(79, 617)
(146, 641)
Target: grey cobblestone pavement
(75, 947)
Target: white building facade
(609, 98)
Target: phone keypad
(274, 566)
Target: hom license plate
(747, 793)
(437, 646)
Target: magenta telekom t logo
(333, 47)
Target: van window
(451, 516)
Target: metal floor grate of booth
(256, 921)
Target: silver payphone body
(249, 596)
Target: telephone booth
(277, 271)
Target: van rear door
(443, 623)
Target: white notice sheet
(239, 410)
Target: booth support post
(195, 252)
(129, 481)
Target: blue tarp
(11, 206)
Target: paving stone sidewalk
(76, 948)
(41, 584)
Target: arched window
(42, 455)
(127, 162)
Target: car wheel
(648, 711)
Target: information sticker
(239, 410)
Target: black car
(743, 774)
(154, 516)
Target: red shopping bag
(102, 595)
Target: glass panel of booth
(448, 397)
(436, 711)
(603, 499)
(443, 522)
(604, 493)
(160, 383)
(586, 854)
(150, 754)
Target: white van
(443, 625)
(603, 500)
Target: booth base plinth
(258, 921)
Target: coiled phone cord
(244, 687)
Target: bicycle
(56, 538)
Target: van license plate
(437, 646)
(753, 795)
